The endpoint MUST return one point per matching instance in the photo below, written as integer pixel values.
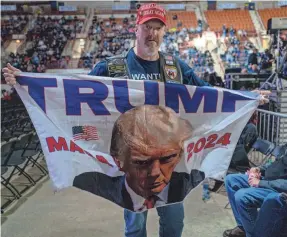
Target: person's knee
(231, 179)
(241, 197)
(272, 197)
(273, 200)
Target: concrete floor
(74, 213)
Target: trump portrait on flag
(146, 144)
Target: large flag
(139, 144)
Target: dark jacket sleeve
(279, 185)
(100, 69)
(99, 184)
(264, 167)
(189, 77)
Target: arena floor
(74, 213)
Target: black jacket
(243, 146)
(275, 174)
(253, 59)
(113, 188)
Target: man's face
(150, 36)
(148, 172)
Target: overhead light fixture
(17, 41)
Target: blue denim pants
(272, 217)
(170, 221)
(245, 201)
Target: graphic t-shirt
(141, 69)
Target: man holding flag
(145, 62)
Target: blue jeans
(245, 200)
(170, 221)
(272, 217)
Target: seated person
(252, 59)
(244, 144)
(267, 60)
(250, 191)
(239, 160)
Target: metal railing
(235, 81)
(272, 126)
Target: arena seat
(187, 18)
(118, 21)
(20, 147)
(12, 25)
(266, 14)
(239, 19)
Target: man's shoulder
(103, 68)
(95, 178)
(182, 183)
(183, 66)
(170, 56)
(195, 176)
(110, 188)
(100, 69)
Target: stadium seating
(239, 19)
(266, 14)
(238, 57)
(12, 25)
(187, 18)
(20, 148)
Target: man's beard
(151, 47)
(151, 43)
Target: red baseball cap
(151, 11)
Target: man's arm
(100, 69)
(264, 167)
(279, 185)
(189, 77)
